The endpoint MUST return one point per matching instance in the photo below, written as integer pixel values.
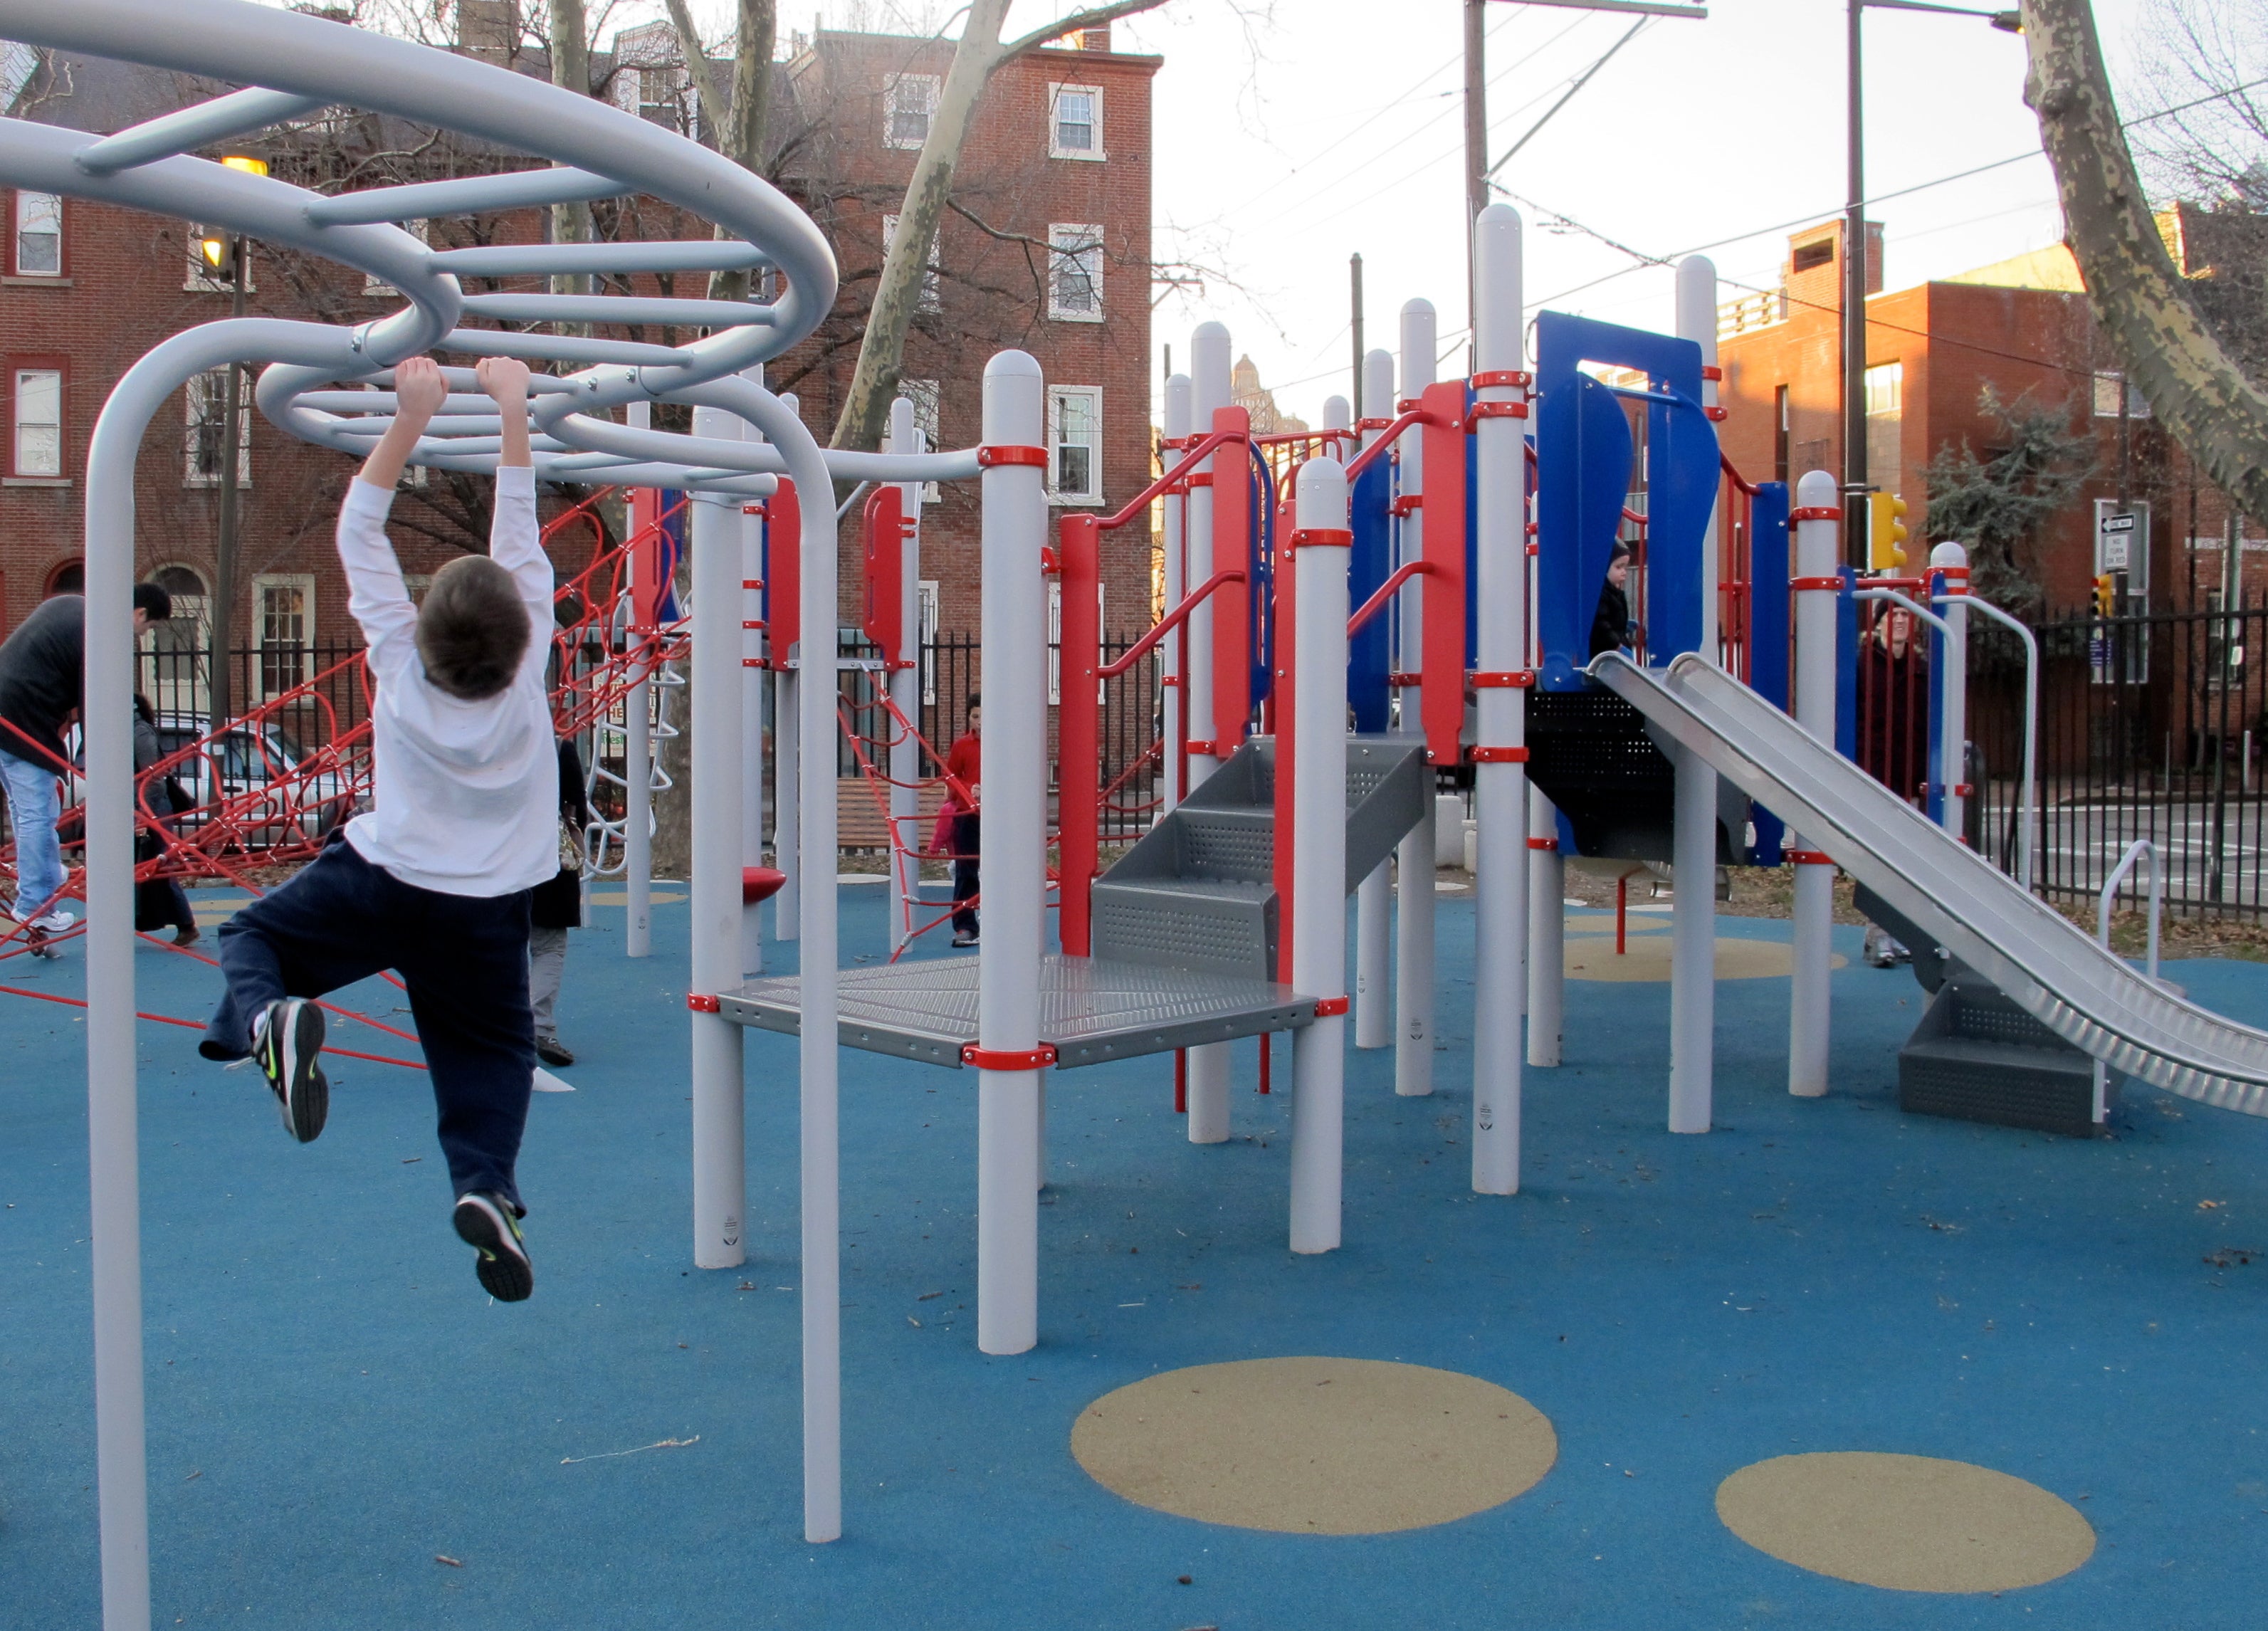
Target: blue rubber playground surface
(334, 1406)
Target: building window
(205, 428)
(423, 232)
(2107, 386)
(1075, 444)
(1886, 384)
(651, 80)
(284, 626)
(1075, 125)
(37, 396)
(174, 672)
(1809, 257)
(926, 610)
(1781, 448)
(1075, 273)
(931, 297)
(909, 103)
(39, 235)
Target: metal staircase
(1198, 891)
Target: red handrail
(1140, 501)
(1400, 423)
(1738, 481)
(1167, 624)
(1376, 603)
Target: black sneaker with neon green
(288, 1047)
(488, 1224)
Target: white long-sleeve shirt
(467, 793)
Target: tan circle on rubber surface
(1646, 957)
(1904, 1522)
(1315, 1446)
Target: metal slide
(2048, 966)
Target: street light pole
(1854, 309)
(224, 601)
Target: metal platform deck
(1092, 1010)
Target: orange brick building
(2022, 327)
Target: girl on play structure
(434, 880)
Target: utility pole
(1854, 312)
(1476, 163)
(224, 603)
(1354, 271)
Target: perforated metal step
(1091, 1009)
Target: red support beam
(1232, 547)
(782, 572)
(1442, 691)
(885, 519)
(1077, 726)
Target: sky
(1291, 134)
(1289, 138)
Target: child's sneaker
(485, 1223)
(289, 1044)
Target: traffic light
(1886, 531)
(215, 252)
(2106, 595)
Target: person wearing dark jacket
(42, 666)
(1610, 626)
(555, 907)
(159, 902)
(1894, 735)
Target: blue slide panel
(1370, 563)
(1769, 614)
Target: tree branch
(2151, 316)
(1092, 16)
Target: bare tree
(976, 57)
(2203, 61)
(2193, 386)
(739, 127)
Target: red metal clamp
(1372, 425)
(753, 662)
(1493, 378)
(1050, 563)
(1816, 583)
(1815, 512)
(1482, 679)
(757, 508)
(1499, 756)
(1326, 1007)
(1406, 682)
(1407, 504)
(1008, 1059)
(752, 583)
(1407, 404)
(1203, 749)
(1305, 535)
(1498, 410)
(1809, 858)
(1718, 415)
(1962, 789)
(1197, 478)
(702, 1004)
(1543, 844)
(1710, 370)
(987, 457)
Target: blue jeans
(32, 810)
(463, 958)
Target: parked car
(245, 758)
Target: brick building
(2022, 327)
(1048, 249)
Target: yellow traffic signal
(1886, 531)
(2106, 595)
(215, 246)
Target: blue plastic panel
(1369, 564)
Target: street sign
(2118, 534)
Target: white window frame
(1054, 639)
(305, 583)
(1074, 243)
(1886, 390)
(931, 298)
(652, 76)
(923, 393)
(170, 689)
(48, 466)
(1091, 493)
(890, 88)
(50, 207)
(925, 616)
(1055, 150)
(422, 230)
(209, 390)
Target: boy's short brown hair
(472, 630)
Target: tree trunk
(897, 292)
(2173, 358)
(739, 127)
(570, 67)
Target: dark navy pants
(464, 960)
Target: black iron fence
(2152, 726)
(312, 694)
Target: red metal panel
(884, 623)
(1077, 728)
(1231, 546)
(1442, 518)
(783, 571)
(645, 516)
